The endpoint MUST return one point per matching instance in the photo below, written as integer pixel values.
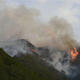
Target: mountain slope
(18, 47)
(12, 69)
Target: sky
(67, 9)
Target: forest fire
(74, 54)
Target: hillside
(17, 47)
(12, 69)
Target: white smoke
(62, 62)
(23, 22)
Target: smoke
(61, 60)
(23, 22)
(19, 21)
(63, 34)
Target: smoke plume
(23, 22)
(63, 36)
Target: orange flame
(74, 54)
(33, 50)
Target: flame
(33, 50)
(74, 54)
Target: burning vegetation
(74, 54)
